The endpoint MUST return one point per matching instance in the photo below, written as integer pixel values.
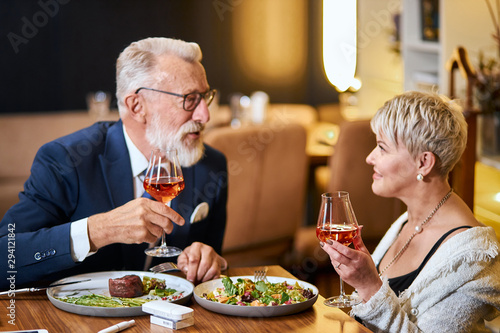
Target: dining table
(30, 311)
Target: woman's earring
(420, 177)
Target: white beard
(188, 154)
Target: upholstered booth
(21, 136)
(267, 167)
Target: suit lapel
(115, 164)
(183, 204)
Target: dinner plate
(253, 311)
(99, 285)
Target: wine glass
(336, 221)
(163, 181)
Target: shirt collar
(138, 161)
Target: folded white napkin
(199, 213)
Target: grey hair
(136, 65)
(424, 122)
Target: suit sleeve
(216, 233)
(36, 231)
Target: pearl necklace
(418, 229)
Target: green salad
(245, 292)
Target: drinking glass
(163, 181)
(336, 221)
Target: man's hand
(201, 263)
(138, 221)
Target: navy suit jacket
(86, 173)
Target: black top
(401, 283)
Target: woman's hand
(355, 267)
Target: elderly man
(82, 208)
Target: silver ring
(337, 267)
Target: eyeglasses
(191, 100)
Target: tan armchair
(267, 168)
(351, 173)
(348, 171)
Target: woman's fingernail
(329, 241)
(321, 244)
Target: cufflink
(199, 213)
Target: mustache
(191, 127)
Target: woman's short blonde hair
(424, 122)
(136, 65)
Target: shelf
(422, 58)
(425, 81)
(492, 161)
(423, 46)
(430, 78)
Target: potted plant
(487, 92)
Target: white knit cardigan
(456, 291)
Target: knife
(27, 290)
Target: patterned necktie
(145, 194)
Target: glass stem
(163, 240)
(342, 294)
(163, 243)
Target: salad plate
(208, 287)
(99, 285)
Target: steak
(127, 286)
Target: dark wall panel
(52, 52)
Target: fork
(164, 267)
(260, 274)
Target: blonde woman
(437, 268)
